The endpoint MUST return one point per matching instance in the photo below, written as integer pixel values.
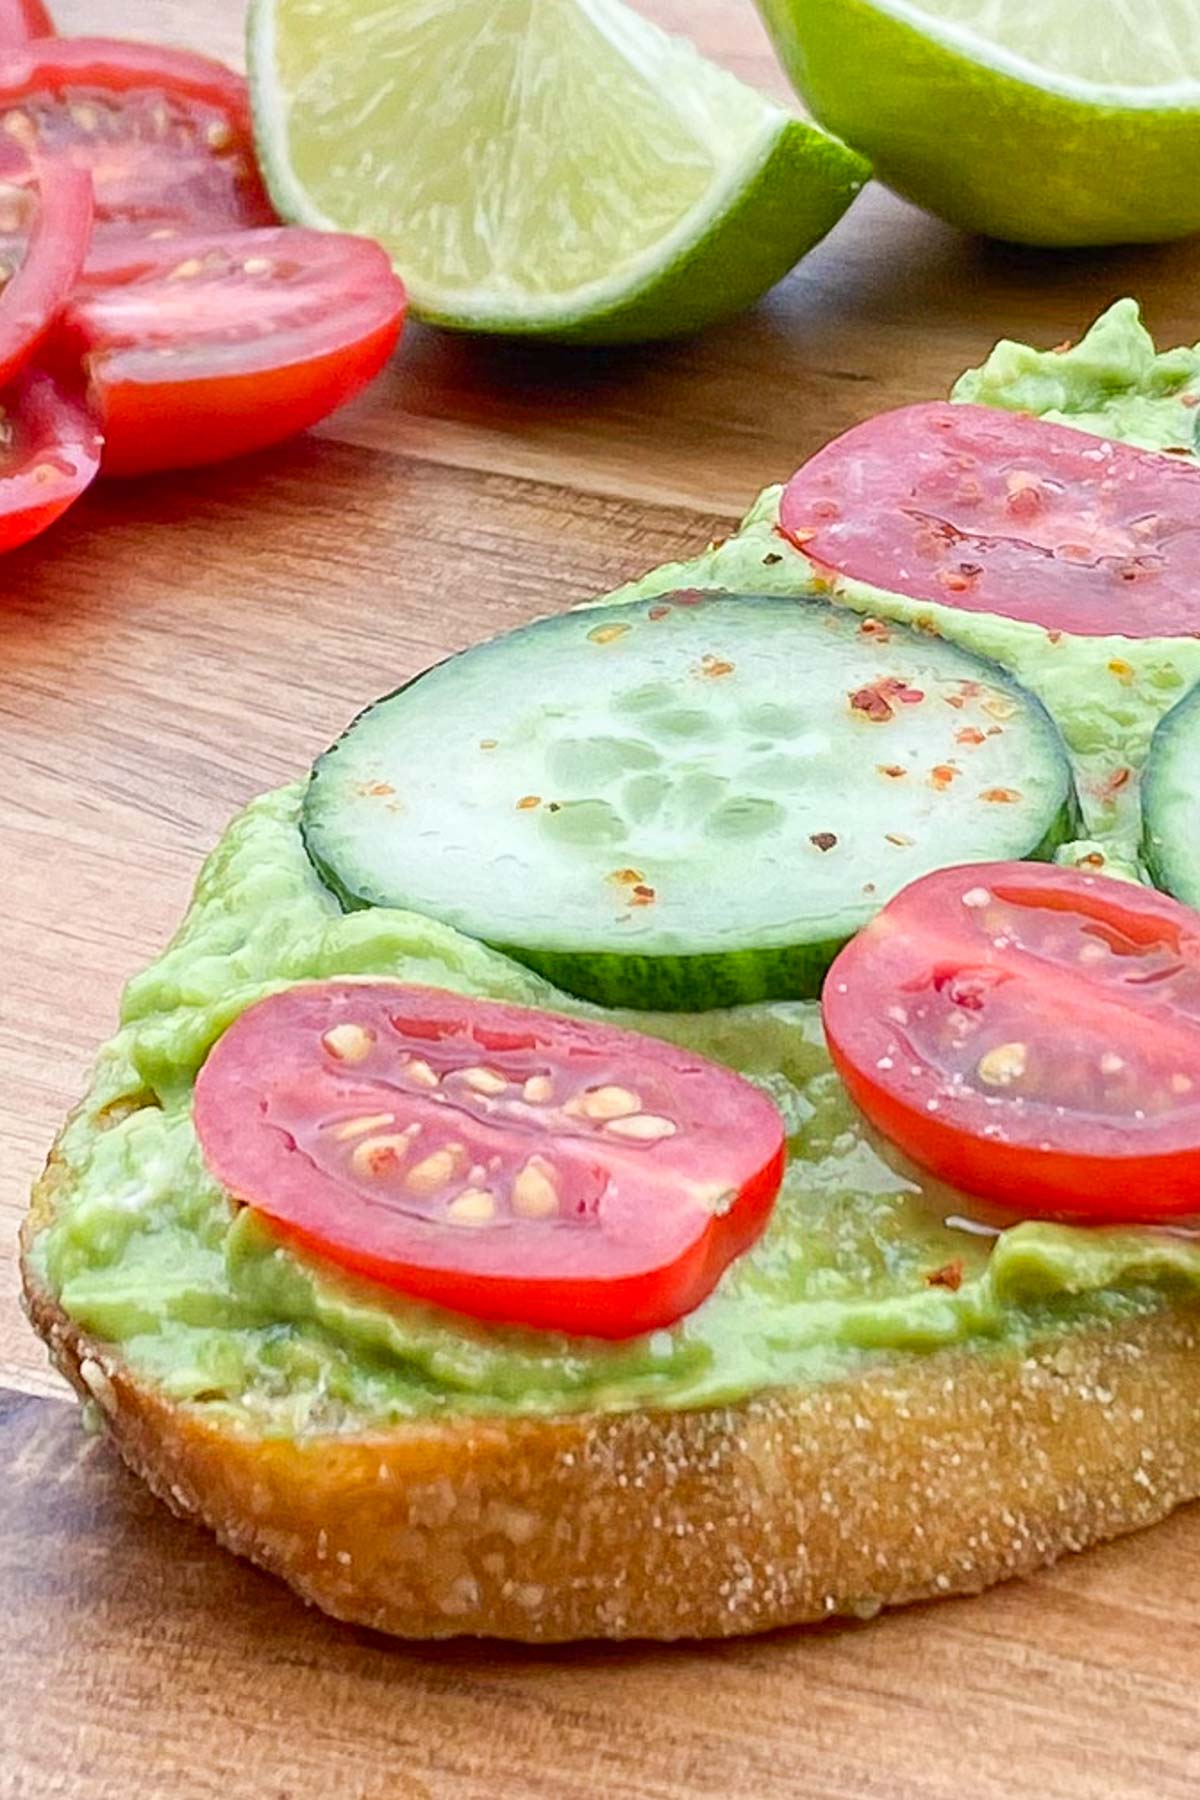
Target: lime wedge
(1043, 121)
(560, 168)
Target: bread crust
(933, 1474)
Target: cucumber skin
(722, 978)
(1170, 735)
(682, 984)
(709, 979)
(618, 978)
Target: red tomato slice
(21, 20)
(51, 453)
(998, 512)
(1031, 1034)
(165, 135)
(46, 256)
(203, 347)
(502, 1162)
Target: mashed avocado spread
(864, 1256)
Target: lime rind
(685, 198)
(985, 137)
(1002, 34)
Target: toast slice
(936, 1473)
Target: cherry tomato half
(49, 452)
(1030, 1034)
(502, 1162)
(165, 135)
(203, 347)
(21, 20)
(998, 512)
(45, 254)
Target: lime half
(558, 167)
(1043, 121)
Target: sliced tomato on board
(999, 512)
(45, 229)
(21, 20)
(204, 347)
(165, 135)
(506, 1163)
(1030, 1034)
(49, 452)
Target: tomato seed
(646, 1126)
(348, 1043)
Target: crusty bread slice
(934, 1474)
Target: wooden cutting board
(177, 645)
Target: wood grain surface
(177, 645)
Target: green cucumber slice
(686, 802)
(1171, 802)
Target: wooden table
(177, 645)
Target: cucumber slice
(1171, 802)
(686, 802)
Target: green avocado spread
(864, 1256)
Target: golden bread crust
(933, 1474)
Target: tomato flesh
(505, 1163)
(1030, 1034)
(208, 346)
(21, 20)
(42, 258)
(998, 512)
(165, 135)
(50, 453)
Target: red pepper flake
(797, 539)
(643, 895)
(998, 796)
(871, 703)
(970, 734)
(824, 840)
(1054, 637)
(694, 596)
(715, 666)
(875, 700)
(1189, 399)
(958, 580)
(1061, 349)
(875, 629)
(950, 1275)
(1116, 781)
(1093, 860)
(658, 612)
(892, 770)
(954, 700)
(941, 775)
(528, 801)
(381, 788)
